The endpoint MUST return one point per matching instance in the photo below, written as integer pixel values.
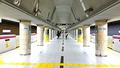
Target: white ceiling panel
(63, 9)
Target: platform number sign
(17, 2)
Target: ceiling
(60, 13)
(63, 10)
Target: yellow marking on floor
(109, 50)
(37, 65)
(0, 55)
(52, 65)
(1, 61)
(76, 65)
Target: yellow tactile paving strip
(52, 65)
(109, 50)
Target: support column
(25, 37)
(46, 37)
(55, 32)
(50, 34)
(80, 34)
(86, 36)
(76, 34)
(40, 35)
(72, 33)
(101, 38)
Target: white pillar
(76, 34)
(25, 37)
(55, 33)
(40, 35)
(72, 33)
(86, 35)
(50, 34)
(101, 38)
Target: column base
(101, 55)
(39, 45)
(25, 52)
(80, 43)
(86, 46)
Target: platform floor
(55, 54)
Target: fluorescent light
(6, 31)
(11, 19)
(92, 24)
(33, 24)
(114, 19)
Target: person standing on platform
(58, 34)
(66, 35)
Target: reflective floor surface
(60, 53)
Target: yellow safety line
(52, 65)
(1, 61)
(113, 54)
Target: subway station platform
(60, 53)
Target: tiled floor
(56, 55)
